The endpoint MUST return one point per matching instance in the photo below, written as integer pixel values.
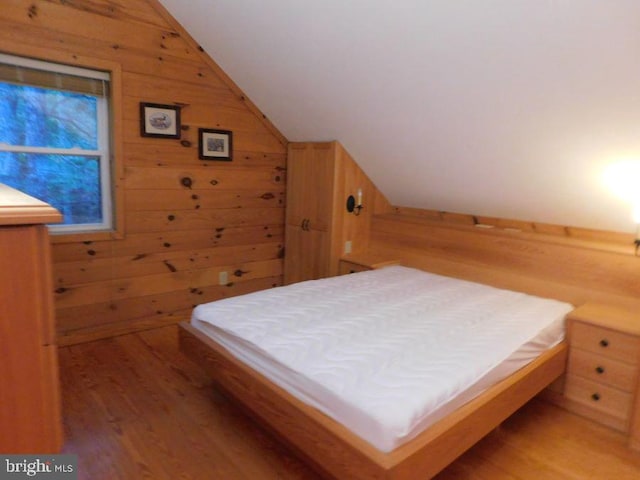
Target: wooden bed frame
(336, 452)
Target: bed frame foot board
(318, 438)
(441, 444)
(336, 452)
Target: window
(54, 139)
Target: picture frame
(215, 144)
(159, 121)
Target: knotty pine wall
(570, 264)
(174, 239)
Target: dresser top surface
(18, 208)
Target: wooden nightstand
(362, 262)
(604, 366)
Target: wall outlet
(347, 247)
(223, 278)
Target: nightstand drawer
(599, 397)
(351, 267)
(606, 342)
(363, 262)
(602, 369)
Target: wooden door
(310, 174)
(306, 255)
(310, 185)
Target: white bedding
(386, 352)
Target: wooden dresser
(603, 372)
(30, 414)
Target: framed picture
(161, 121)
(215, 144)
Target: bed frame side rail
(337, 452)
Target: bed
(387, 374)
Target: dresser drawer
(599, 397)
(606, 342)
(602, 369)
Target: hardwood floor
(136, 408)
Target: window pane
(39, 117)
(69, 183)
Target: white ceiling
(507, 108)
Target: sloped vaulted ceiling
(508, 108)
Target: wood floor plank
(136, 408)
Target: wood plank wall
(349, 227)
(570, 264)
(177, 234)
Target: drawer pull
(595, 397)
(599, 370)
(604, 343)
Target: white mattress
(385, 352)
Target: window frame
(109, 144)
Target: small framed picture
(215, 144)
(161, 121)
